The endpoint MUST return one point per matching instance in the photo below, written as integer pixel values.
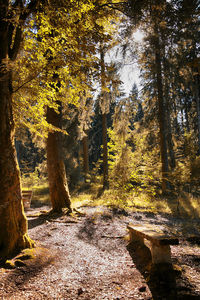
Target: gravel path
(85, 257)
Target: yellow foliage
(59, 52)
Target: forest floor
(85, 256)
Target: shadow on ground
(42, 218)
(163, 281)
(98, 229)
(25, 270)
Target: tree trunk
(187, 123)
(105, 151)
(104, 121)
(170, 144)
(13, 223)
(58, 187)
(197, 98)
(161, 107)
(85, 157)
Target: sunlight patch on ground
(182, 206)
(81, 199)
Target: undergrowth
(183, 204)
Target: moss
(9, 264)
(28, 254)
(177, 269)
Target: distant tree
(104, 108)
(169, 47)
(29, 154)
(85, 113)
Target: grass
(185, 205)
(41, 194)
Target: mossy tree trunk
(58, 187)
(13, 223)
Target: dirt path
(85, 257)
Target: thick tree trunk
(85, 157)
(13, 223)
(58, 187)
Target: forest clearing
(99, 149)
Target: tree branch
(24, 13)
(120, 6)
(26, 82)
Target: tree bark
(161, 106)
(105, 151)
(13, 223)
(58, 187)
(104, 122)
(197, 98)
(85, 156)
(170, 144)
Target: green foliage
(133, 170)
(30, 180)
(186, 174)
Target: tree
(58, 186)
(104, 105)
(84, 115)
(12, 219)
(156, 19)
(15, 17)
